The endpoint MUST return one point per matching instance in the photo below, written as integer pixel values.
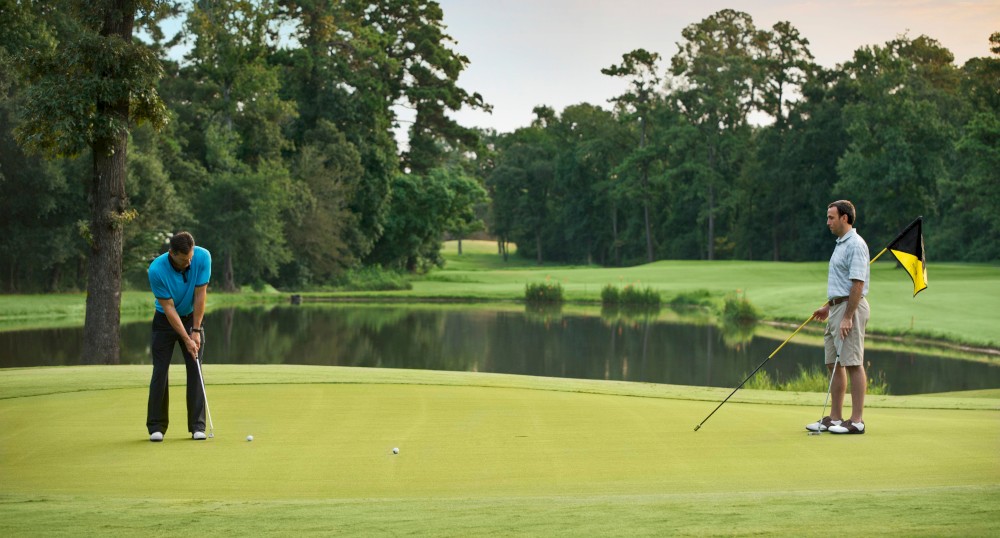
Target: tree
(969, 229)
(85, 92)
(718, 62)
(424, 207)
(227, 97)
(900, 131)
(640, 67)
(521, 185)
(785, 66)
(590, 144)
(323, 232)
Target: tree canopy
(274, 141)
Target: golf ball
(249, 438)
(395, 451)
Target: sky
(525, 53)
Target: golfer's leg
(859, 378)
(195, 396)
(859, 384)
(158, 406)
(837, 392)
(838, 382)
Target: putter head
(814, 433)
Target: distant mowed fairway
(480, 454)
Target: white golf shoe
(198, 436)
(823, 425)
(156, 437)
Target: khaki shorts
(852, 352)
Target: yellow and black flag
(908, 248)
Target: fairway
(479, 454)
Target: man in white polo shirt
(846, 312)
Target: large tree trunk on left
(108, 205)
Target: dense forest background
(273, 141)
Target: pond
(512, 341)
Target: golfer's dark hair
(181, 243)
(845, 207)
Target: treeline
(733, 147)
(271, 140)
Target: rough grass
(480, 454)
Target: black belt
(837, 300)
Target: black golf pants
(162, 345)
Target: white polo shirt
(849, 262)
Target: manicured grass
(480, 454)
(959, 304)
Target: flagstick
(696, 428)
(878, 255)
(773, 353)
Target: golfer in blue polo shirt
(179, 281)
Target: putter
(829, 389)
(201, 377)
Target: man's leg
(195, 396)
(837, 392)
(859, 385)
(838, 384)
(162, 347)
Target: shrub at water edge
(543, 293)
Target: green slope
(479, 454)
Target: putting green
(531, 455)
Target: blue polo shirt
(169, 283)
(849, 262)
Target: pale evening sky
(525, 53)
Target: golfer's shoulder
(157, 273)
(158, 265)
(857, 242)
(202, 261)
(202, 255)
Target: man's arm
(200, 293)
(175, 321)
(846, 324)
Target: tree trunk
(614, 235)
(649, 229)
(538, 246)
(459, 246)
(228, 282)
(711, 222)
(106, 193)
(645, 197)
(711, 204)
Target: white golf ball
(249, 438)
(395, 451)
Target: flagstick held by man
(908, 248)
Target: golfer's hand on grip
(192, 347)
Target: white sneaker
(156, 437)
(198, 436)
(823, 425)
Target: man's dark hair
(845, 207)
(181, 243)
